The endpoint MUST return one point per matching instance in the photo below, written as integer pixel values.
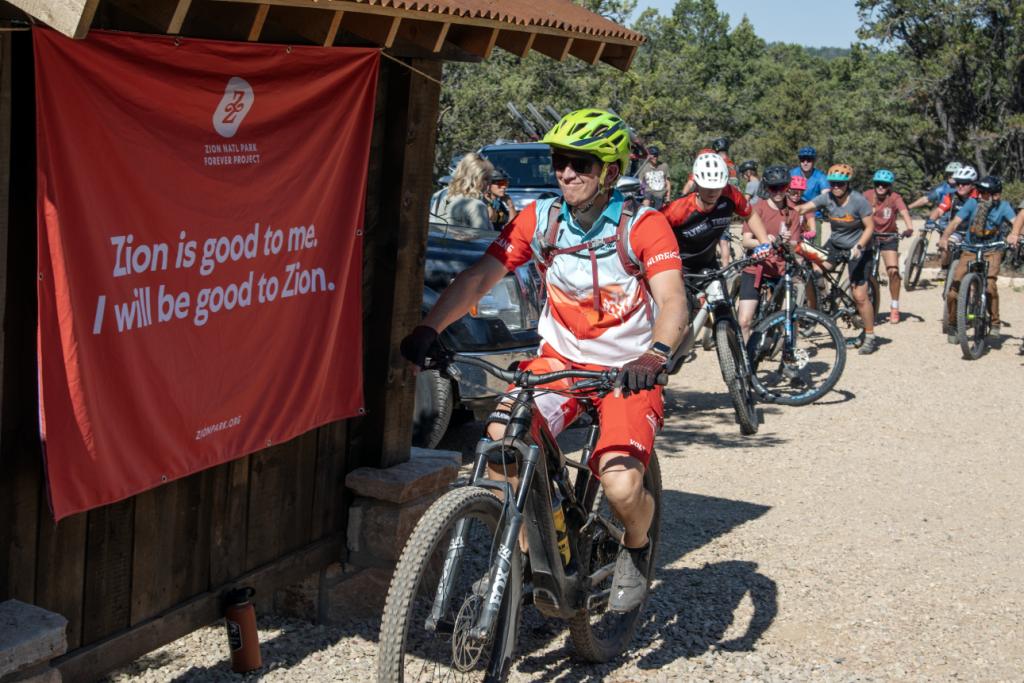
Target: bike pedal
(546, 602)
(598, 602)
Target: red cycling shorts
(628, 423)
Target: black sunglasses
(579, 164)
(803, 159)
(881, 185)
(778, 188)
(838, 183)
(965, 183)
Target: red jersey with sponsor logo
(698, 230)
(885, 210)
(621, 328)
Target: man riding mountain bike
(984, 219)
(852, 230)
(887, 204)
(719, 146)
(615, 299)
(936, 194)
(702, 218)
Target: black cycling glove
(641, 373)
(417, 344)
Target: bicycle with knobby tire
(455, 601)
(954, 249)
(832, 293)
(797, 355)
(917, 252)
(710, 303)
(973, 319)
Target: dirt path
(874, 536)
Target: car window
(526, 168)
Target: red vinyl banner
(200, 211)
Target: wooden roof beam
(380, 29)
(71, 17)
(588, 50)
(178, 18)
(619, 56)
(556, 47)
(160, 14)
(516, 42)
(257, 23)
(429, 35)
(285, 24)
(332, 30)
(475, 40)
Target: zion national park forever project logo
(234, 105)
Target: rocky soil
(874, 536)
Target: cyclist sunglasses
(500, 183)
(778, 188)
(803, 159)
(579, 164)
(838, 183)
(881, 185)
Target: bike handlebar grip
(662, 379)
(810, 234)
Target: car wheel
(435, 399)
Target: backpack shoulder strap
(629, 210)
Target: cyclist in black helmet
(750, 180)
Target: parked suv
(502, 329)
(528, 165)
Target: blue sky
(816, 24)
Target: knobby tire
(730, 359)
(769, 340)
(970, 318)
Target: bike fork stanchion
(502, 567)
(453, 557)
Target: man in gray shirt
(748, 172)
(850, 215)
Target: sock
(869, 335)
(895, 303)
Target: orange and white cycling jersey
(573, 324)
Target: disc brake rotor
(466, 651)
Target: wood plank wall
(136, 574)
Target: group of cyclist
(613, 273)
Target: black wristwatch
(663, 349)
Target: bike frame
(980, 265)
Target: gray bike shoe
(629, 583)
(952, 336)
(869, 346)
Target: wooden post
(395, 250)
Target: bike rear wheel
(971, 323)
(735, 374)
(809, 370)
(915, 263)
(418, 640)
(950, 269)
(599, 635)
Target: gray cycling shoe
(869, 346)
(629, 583)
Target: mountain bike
(832, 291)
(973, 320)
(708, 297)
(955, 246)
(797, 355)
(454, 605)
(916, 254)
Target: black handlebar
(524, 379)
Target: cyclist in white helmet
(701, 218)
(963, 180)
(935, 195)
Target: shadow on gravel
(690, 611)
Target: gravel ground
(873, 536)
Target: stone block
(29, 636)
(378, 530)
(420, 476)
(360, 595)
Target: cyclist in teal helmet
(887, 204)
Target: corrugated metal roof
(555, 14)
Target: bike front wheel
(802, 373)
(915, 263)
(597, 634)
(971, 324)
(438, 591)
(736, 375)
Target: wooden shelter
(136, 574)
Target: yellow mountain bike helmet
(594, 131)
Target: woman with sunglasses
(780, 219)
(852, 224)
(499, 205)
(887, 205)
(985, 218)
